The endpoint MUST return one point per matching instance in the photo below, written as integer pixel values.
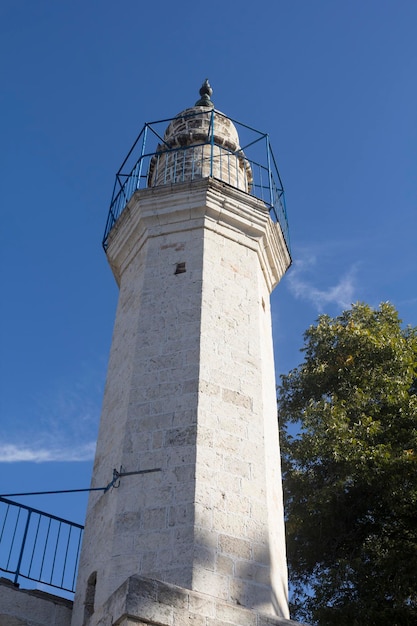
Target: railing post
(271, 197)
(22, 549)
(212, 143)
(142, 152)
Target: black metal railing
(151, 162)
(37, 546)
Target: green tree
(348, 415)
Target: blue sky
(332, 82)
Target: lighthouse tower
(191, 529)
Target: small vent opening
(180, 268)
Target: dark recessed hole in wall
(90, 597)
(180, 268)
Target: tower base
(147, 601)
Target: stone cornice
(205, 203)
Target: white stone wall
(237, 515)
(191, 390)
(148, 421)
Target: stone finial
(205, 93)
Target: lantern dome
(200, 142)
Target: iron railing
(151, 161)
(37, 546)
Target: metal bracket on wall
(116, 477)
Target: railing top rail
(190, 113)
(259, 175)
(32, 510)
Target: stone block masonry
(191, 390)
(144, 601)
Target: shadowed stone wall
(23, 607)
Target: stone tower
(190, 391)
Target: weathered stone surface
(191, 391)
(142, 601)
(23, 607)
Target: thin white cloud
(341, 294)
(63, 422)
(12, 453)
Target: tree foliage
(349, 439)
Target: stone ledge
(147, 601)
(201, 204)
